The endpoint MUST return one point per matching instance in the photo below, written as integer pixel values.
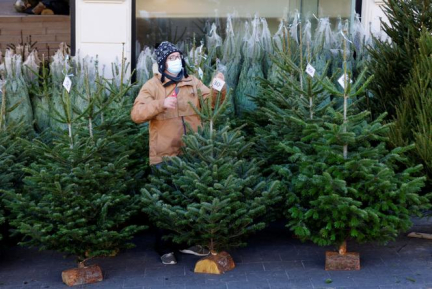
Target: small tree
(348, 185)
(339, 179)
(212, 194)
(78, 194)
(12, 155)
(391, 61)
(413, 120)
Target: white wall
(372, 14)
(102, 26)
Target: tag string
(345, 37)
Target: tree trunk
(82, 275)
(215, 263)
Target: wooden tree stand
(82, 275)
(215, 263)
(342, 260)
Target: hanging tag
(310, 70)
(341, 80)
(218, 84)
(200, 73)
(67, 83)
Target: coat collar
(184, 82)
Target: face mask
(175, 66)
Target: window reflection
(179, 21)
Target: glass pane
(181, 20)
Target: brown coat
(166, 125)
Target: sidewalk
(272, 260)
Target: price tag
(67, 83)
(218, 84)
(310, 70)
(341, 80)
(200, 73)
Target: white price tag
(218, 84)
(341, 80)
(67, 83)
(200, 73)
(310, 70)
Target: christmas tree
(340, 180)
(402, 78)
(12, 155)
(391, 61)
(413, 120)
(12, 159)
(77, 196)
(212, 194)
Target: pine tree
(348, 185)
(338, 177)
(392, 60)
(12, 160)
(12, 155)
(278, 100)
(414, 113)
(212, 194)
(78, 194)
(402, 77)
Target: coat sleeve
(146, 106)
(207, 92)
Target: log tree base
(350, 261)
(215, 264)
(80, 276)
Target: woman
(164, 102)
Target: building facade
(105, 27)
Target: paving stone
(282, 266)
(297, 283)
(165, 287)
(249, 285)
(167, 270)
(249, 267)
(230, 276)
(183, 280)
(274, 276)
(207, 286)
(332, 282)
(273, 260)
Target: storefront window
(182, 20)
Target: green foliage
(75, 199)
(414, 113)
(339, 179)
(80, 192)
(213, 194)
(13, 157)
(392, 61)
(365, 197)
(402, 70)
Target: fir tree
(12, 155)
(212, 194)
(402, 77)
(391, 61)
(339, 179)
(414, 113)
(76, 197)
(348, 185)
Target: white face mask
(175, 66)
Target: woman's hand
(170, 102)
(220, 76)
